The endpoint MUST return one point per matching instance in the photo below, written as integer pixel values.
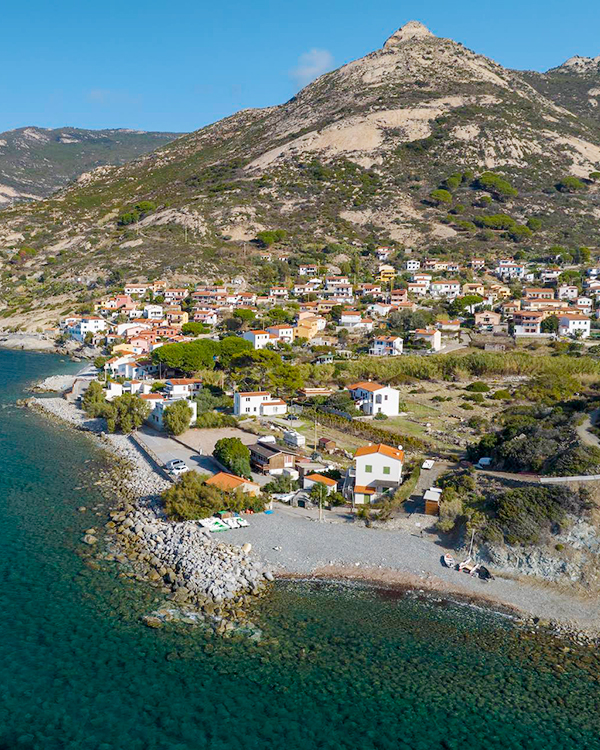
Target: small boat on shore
(449, 561)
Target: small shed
(431, 498)
(327, 445)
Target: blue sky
(180, 65)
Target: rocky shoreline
(194, 570)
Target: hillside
(350, 161)
(574, 85)
(34, 162)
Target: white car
(429, 464)
(176, 467)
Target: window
(369, 468)
(386, 469)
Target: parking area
(166, 449)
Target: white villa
(374, 398)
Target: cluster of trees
(498, 186)
(234, 455)
(269, 237)
(191, 498)
(193, 356)
(124, 414)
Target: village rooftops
(254, 393)
(366, 386)
(385, 450)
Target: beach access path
(293, 541)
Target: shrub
(502, 394)
(234, 455)
(126, 413)
(212, 419)
(498, 186)
(478, 387)
(441, 196)
(478, 423)
(476, 398)
(570, 185)
(381, 416)
(534, 224)
(451, 509)
(177, 416)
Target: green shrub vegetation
(176, 417)
(498, 186)
(191, 498)
(234, 455)
(570, 185)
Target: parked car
(176, 467)
(428, 464)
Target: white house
(574, 325)
(386, 346)
(160, 404)
(509, 269)
(412, 265)
(374, 398)
(432, 336)
(182, 387)
(282, 333)
(257, 403)
(550, 275)
(308, 269)
(81, 327)
(310, 480)
(377, 468)
(259, 339)
(153, 312)
(139, 289)
(565, 291)
(444, 288)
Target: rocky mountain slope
(574, 85)
(352, 159)
(35, 162)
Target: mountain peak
(410, 30)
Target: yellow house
(386, 273)
(122, 349)
(473, 288)
(307, 327)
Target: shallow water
(337, 667)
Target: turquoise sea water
(337, 667)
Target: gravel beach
(291, 542)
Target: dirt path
(583, 430)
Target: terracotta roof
(366, 386)
(254, 393)
(386, 450)
(276, 402)
(152, 396)
(364, 490)
(322, 480)
(183, 381)
(228, 482)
